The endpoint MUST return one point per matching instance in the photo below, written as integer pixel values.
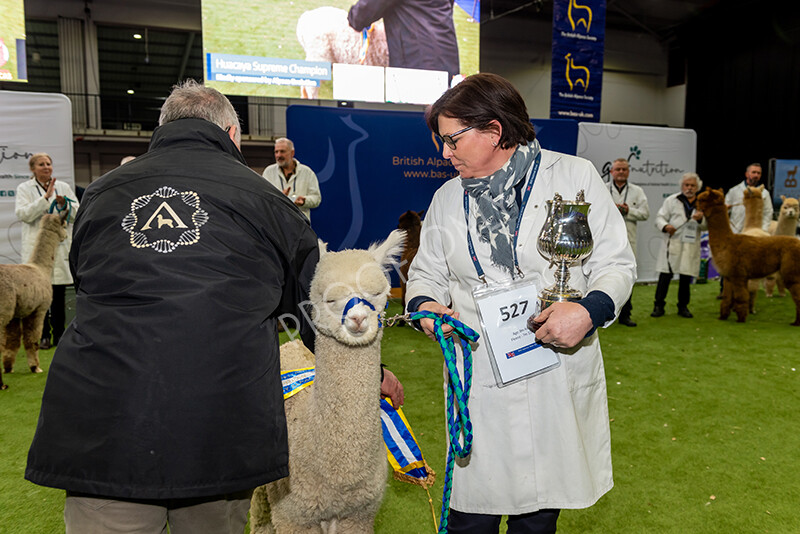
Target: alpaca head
(790, 209)
(350, 289)
(710, 198)
(410, 220)
(751, 192)
(55, 223)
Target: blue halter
(356, 300)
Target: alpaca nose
(356, 321)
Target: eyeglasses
(448, 139)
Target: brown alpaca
(741, 257)
(785, 225)
(25, 295)
(753, 219)
(411, 222)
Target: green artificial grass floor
(702, 415)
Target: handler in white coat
(40, 195)
(681, 225)
(632, 204)
(541, 442)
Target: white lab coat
(543, 442)
(683, 258)
(638, 208)
(735, 199)
(30, 205)
(302, 182)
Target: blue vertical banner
(578, 46)
(785, 180)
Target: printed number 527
(513, 310)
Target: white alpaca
(25, 295)
(785, 225)
(337, 461)
(325, 35)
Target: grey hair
(285, 140)
(192, 100)
(689, 176)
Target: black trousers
(56, 315)
(684, 289)
(625, 312)
(541, 522)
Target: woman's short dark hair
(481, 99)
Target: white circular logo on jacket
(155, 220)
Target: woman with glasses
(537, 404)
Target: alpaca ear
(386, 253)
(421, 214)
(783, 198)
(323, 247)
(761, 187)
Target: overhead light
(137, 35)
(130, 91)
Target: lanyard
(625, 198)
(472, 254)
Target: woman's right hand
(438, 309)
(51, 187)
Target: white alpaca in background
(325, 35)
(337, 459)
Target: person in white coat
(632, 204)
(681, 224)
(541, 441)
(297, 181)
(735, 199)
(40, 195)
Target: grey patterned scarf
(497, 206)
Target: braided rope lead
(458, 420)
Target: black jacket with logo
(167, 383)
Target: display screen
(403, 51)
(13, 65)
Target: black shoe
(626, 321)
(683, 311)
(45, 344)
(658, 311)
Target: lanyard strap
(526, 195)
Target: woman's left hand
(564, 324)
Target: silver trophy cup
(565, 238)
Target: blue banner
(578, 45)
(786, 180)
(265, 70)
(373, 166)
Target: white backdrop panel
(658, 158)
(29, 123)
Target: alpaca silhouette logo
(165, 215)
(791, 181)
(578, 14)
(579, 72)
(162, 221)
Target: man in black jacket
(163, 404)
(420, 34)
